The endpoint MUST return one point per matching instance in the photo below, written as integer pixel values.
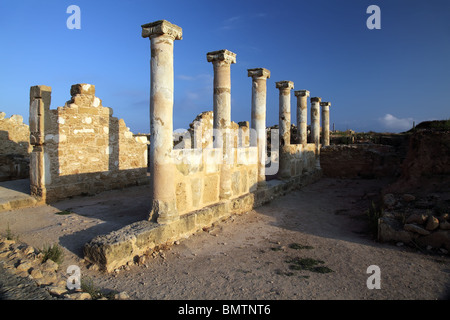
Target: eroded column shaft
(162, 169)
(285, 111)
(222, 61)
(315, 120)
(325, 123)
(258, 121)
(302, 115)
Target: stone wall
(81, 148)
(359, 160)
(14, 148)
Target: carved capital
(301, 93)
(316, 99)
(221, 55)
(258, 73)
(161, 27)
(325, 104)
(284, 85)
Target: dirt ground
(250, 256)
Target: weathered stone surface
(417, 218)
(49, 266)
(390, 230)
(437, 239)
(445, 225)
(415, 228)
(432, 223)
(84, 150)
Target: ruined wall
(198, 169)
(359, 160)
(14, 148)
(81, 148)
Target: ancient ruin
(214, 169)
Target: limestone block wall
(15, 148)
(81, 148)
(197, 177)
(298, 159)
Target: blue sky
(378, 80)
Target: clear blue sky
(378, 80)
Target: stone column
(325, 123)
(302, 115)
(40, 175)
(258, 124)
(285, 111)
(315, 120)
(222, 61)
(285, 87)
(162, 35)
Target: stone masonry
(81, 148)
(15, 148)
(214, 173)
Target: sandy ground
(247, 256)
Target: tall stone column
(258, 124)
(284, 127)
(325, 123)
(302, 115)
(285, 111)
(222, 61)
(315, 120)
(162, 35)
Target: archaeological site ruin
(215, 169)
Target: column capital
(325, 104)
(316, 99)
(284, 85)
(301, 93)
(259, 73)
(221, 55)
(161, 27)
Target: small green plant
(87, 285)
(298, 246)
(373, 214)
(53, 252)
(10, 235)
(308, 264)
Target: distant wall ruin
(81, 148)
(14, 148)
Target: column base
(163, 212)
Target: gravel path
(250, 256)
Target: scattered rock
(437, 239)
(56, 291)
(415, 228)
(417, 218)
(408, 197)
(24, 266)
(49, 266)
(389, 200)
(121, 296)
(78, 296)
(445, 225)
(36, 274)
(432, 223)
(177, 242)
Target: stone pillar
(315, 120)
(302, 115)
(258, 124)
(285, 111)
(284, 125)
(325, 123)
(162, 35)
(40, 175)
(222, 61)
